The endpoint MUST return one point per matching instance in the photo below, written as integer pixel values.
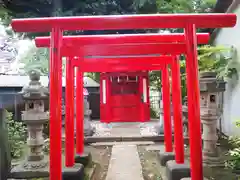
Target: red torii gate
(187, 21)
(76, 45)
(107, 64)
(124, 63)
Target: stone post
(210, 89)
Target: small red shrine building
(124, 97)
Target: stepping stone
(124, 163)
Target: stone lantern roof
(34, 90)
(209, 83)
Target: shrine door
(125, 99)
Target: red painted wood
(102, 113)
(147, 108)
(122, 68)
(124, 97)
(80, 113)
(108, 100)
(124, 61)
(177, 111)
(117, 22)
(125, 50)
(55, 108)
(166, 110)
(140, 91)
(69, 116)
(193, 104)
(84, 40)
(124, 108)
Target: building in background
(230, 37)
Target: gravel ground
(150, 165)
(101, 156)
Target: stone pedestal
(164, 157)
(74, 173)
(85, 159)
(176, 171)
(211, 154)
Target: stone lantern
(185, 117)
(210, 88)
(34, 116)
(160, 125)
(88, 129)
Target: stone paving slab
(125, 129)
(124, 163)
(123, 143)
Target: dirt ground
(100, 156)
(150, 164)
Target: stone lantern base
(21, 172)
(213, 161)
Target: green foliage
(93, 75)
(218, 59)
(234, 153)
(155, 80)
(16, 136)
(238, 123)
(36, 59)
(153, 113)
(185, 6)
(213, 58)
(4, 15)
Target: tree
(37, 59)
(94, 76)
(179, 6)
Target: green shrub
(16, 136)
(234, 161)
(153, 113)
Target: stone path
(124, 163)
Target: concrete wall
(231, 101)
